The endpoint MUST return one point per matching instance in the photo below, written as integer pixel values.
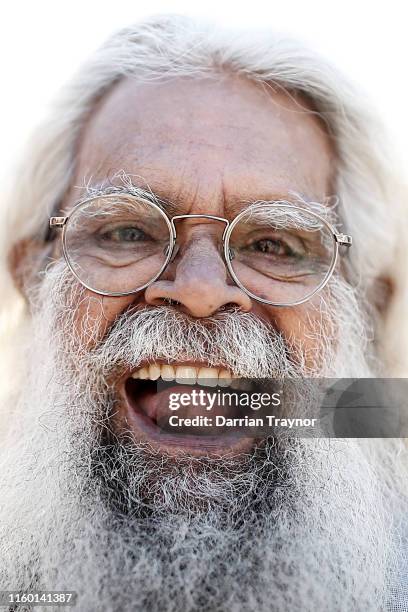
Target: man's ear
(26, 260)
(381, 294)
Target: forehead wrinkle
(140, 124)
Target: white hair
(170, 46)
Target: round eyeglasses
(277, 253)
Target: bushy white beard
(297, 523)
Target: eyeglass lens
(281, 253)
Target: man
(270, 161)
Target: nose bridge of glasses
(198, 216)
(175, 247)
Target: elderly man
(186, 216)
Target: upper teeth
(185, 374)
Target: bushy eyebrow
(129, 188)
(326, 209)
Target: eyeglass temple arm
(343, 239)
(58, 221)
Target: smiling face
(183, 523)
(203, 147)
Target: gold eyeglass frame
(338, 238)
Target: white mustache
(241, 342)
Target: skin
(209, 146)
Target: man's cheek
(95, 314)
(301, 327)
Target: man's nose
(197, 282)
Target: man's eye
(124, 234)
(271, 246)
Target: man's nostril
(171, 302)
(228, 307)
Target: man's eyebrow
(326, 208)
(124, 185)
(127, 187)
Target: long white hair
(370, 193)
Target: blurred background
(43, 42)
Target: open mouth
(176, 405)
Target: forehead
(207, 143)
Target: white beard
(298, 523)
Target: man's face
(138, 521)
(208, 147)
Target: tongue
(159, 405)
